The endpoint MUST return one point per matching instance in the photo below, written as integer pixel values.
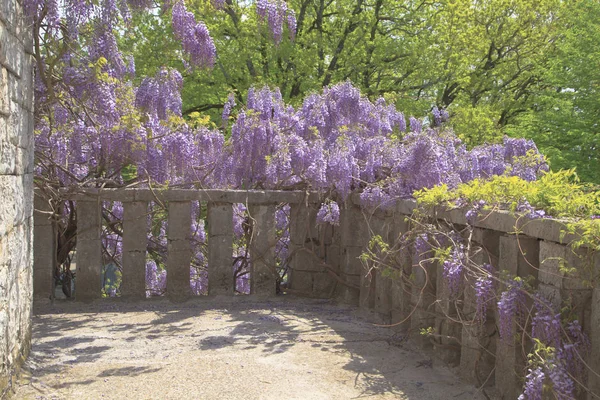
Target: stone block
(11, 51)
(400, 298)
(367, 290)
(323, 285)
(44, 254)
(399, 227)
(489, 240)
(219, 219)
(20, 88)
(383, 295)
(88, 220)
(301, 281)
(350, 261)
(594, 356)
(354, 228)
(305, 259)
(349, 294)
(135, 228)
(88, 279)
(303, 225)
(220, 262)
(8, 154)
(13, 212)
(4, 94)
(262, 250)
(519, 256)
(562, 268)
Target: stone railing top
(551, 229)
(209, 195)
(503, 221)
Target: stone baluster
(423, 297)
(354, 236)
(179, 252)
(44, 250)
(304, 249)
(220, 249)
(135, 228)
(263, 278)
(565, 277)
(594, 356)
(477, 339)
(400, 287)
(88, 278)
(519, 256)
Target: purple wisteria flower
(329, 213)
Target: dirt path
(224, 349)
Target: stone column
(400, 288)
(478, 339)
(354, 235)
(264, 275)
(305, 249)
(594, 357)
(44, 251)
(179, 255)
(135, 229)
(519, 256)
(220, 249)
(88, 279)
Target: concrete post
(44, 251)
(88, 283)
(594, 357)
(135, 228)
(303, 232)
(519, 256)
(354, 235)
(220, 249)
(477, 339)
(179, 255)
(264, 275)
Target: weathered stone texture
(16, 191)
(179, 254)
(135, 227)
(220, 249)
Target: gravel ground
(225, 348)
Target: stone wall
(477, 352)
(16, 189)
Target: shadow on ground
(221, 348)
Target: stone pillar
(519, 256)
(220, 249)
(566, 275)
(594, 357)
(315, 253)
(179, 255)
(88, 278)
(264, 274)
(354, 236)
(557, 284)
(423, 297)
(478, 340)
(400, 288)
(447, 346)
(44, 252)
(135, 229)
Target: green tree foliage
(565, 116)
(517, 67)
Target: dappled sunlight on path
(225, 348)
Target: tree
(564, 117)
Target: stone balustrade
(324, 263)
